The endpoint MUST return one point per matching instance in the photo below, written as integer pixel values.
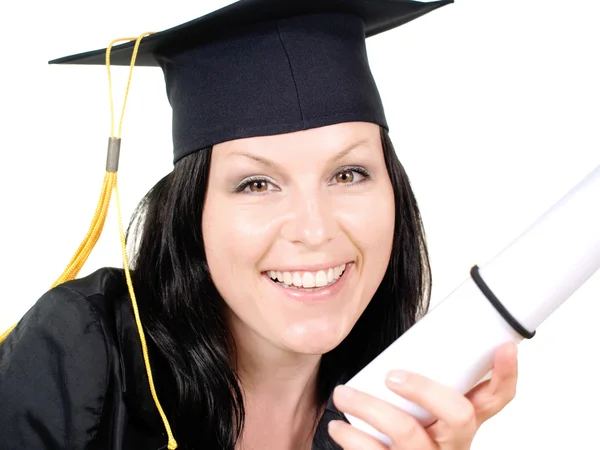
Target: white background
(493, 106)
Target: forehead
(316, 141)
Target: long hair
(182, 310)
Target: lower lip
(321, 294)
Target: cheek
(235, 239)
(369, 223)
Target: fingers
(490, 397)
(505, 372)
(448, 405)
(404, 431)
(350, 438)
(459, 416)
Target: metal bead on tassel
(112, 155)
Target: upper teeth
(308, 279)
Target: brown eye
(347, 176)
(256, 185)
(259, 186)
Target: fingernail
(344, 392)
(397, 376)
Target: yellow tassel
(6, 333)
(172, 443)
(95, 230)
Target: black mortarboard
(262, 67)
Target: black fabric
(264, 67)
(54, 375)
(288, 75)
(72, 375)
(378, 15)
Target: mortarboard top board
(378, 15)
(262, 67)
(253, 68)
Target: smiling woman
(213, 298)
(282, 253)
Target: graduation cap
(262, 67)
(253, 68)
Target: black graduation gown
(72, 374)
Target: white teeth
(297, 279)
(307, 280)
(336, 272)
(321, 279)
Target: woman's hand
(459, 416)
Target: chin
(315, 338)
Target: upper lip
(311, 268)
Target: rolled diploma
(455, 342)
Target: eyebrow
(346, 151)
(258, 159)
(268, 163)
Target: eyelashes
(356, 169)
(260, 184)
(253, 182)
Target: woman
(282, 253)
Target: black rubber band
(496, 304)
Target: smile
(307, 280)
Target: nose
(312, 221)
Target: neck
(280, 392)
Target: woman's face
(298, 232)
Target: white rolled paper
(455, 342)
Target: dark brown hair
(182, 309)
